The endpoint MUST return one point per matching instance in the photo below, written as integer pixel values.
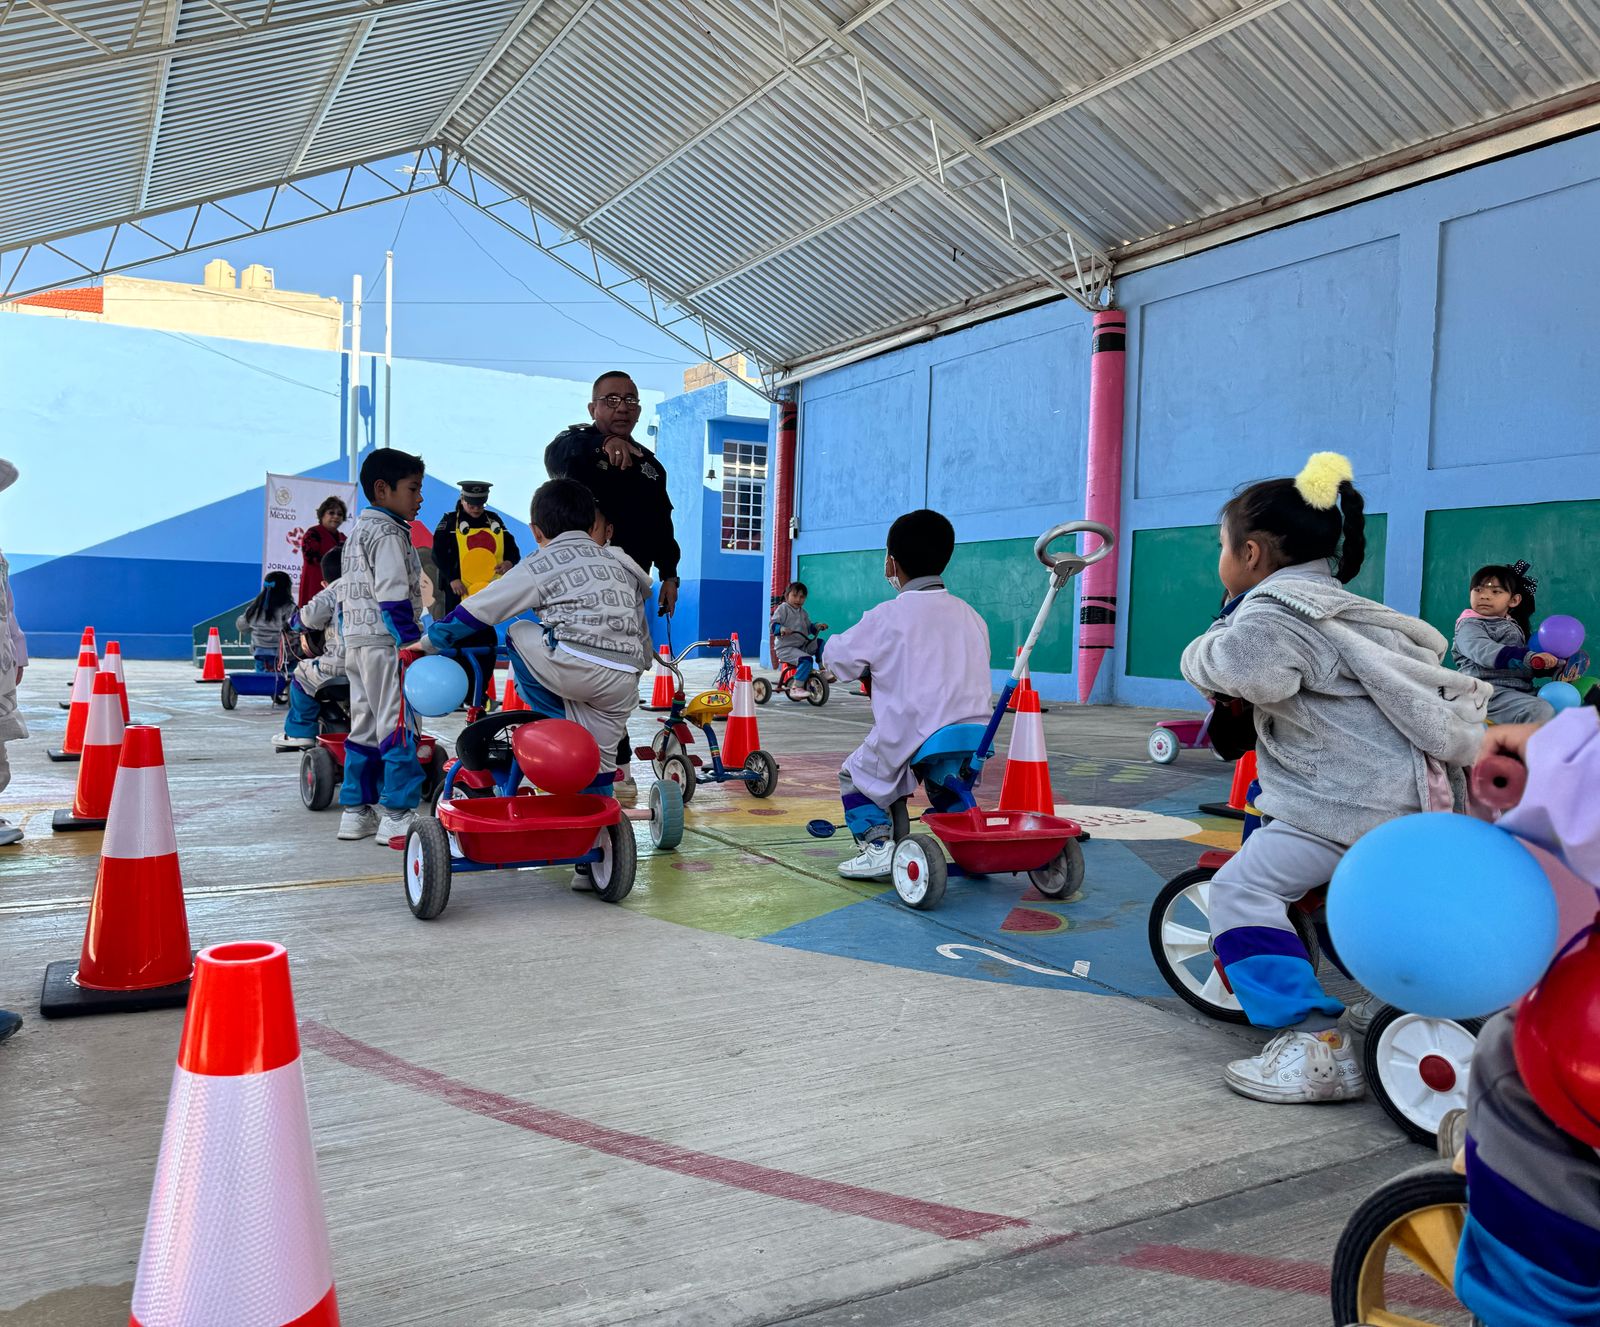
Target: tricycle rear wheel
(613, 873)
(230, 694)
(761, 690)
(1062, 875)
(427, 869)
(666, 815)
(763, 771)
(319, 779)
(817, 689)
(918, 872)
(1163, 746)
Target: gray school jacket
(382, 583)
(1493, 648)
(1350, 698)
(324, 612)
(593, 598)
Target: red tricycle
(512, 828)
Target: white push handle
(1065, 565)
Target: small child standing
(266, 618)
(382, 600)
(1491, 642)
(1357, 722)
(796, 640)
(929, 656)
(321, 613)
(582, 658)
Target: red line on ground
(1304, 1278)
(933, 1218)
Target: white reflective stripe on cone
(140, 821)
(1027, 738)
(744, 701)
(105, 722)
(236, 1233)
(82, 684)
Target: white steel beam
(423, 171)
(330, 94)
(662, 308)
(158, 102)
(524, 16)
(136, 51)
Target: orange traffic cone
(512, 700)
(213, 670)
(1236, 807)
(741, 737)
(1026, 785)
(136, 944)
(236, 1231)
(665, 686)
(102, 745)
(78, 715)
(85, 642)
(112, 664)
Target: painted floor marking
(1079, 969)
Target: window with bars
(744, 494)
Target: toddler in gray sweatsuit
(582, 658)
(1491, 643)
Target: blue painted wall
(721, 591)
(142, 456)
(1436, 335)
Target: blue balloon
(1443, 915)
(1563, 695)
(435, 685)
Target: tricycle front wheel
(613, 873)
(427, 868)
(763, 771)
(1062, 875)
(230, 694)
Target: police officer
(471, 545)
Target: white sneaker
(394, 825)
(798, 693)
(583, 879)
(358, 822)
(1358, 1014)
(283, 742)
(624, 783)
(1300, 1066)
(871, 863)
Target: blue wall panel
(848, 434)
(1500, 393)
(1265, 368)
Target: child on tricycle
(929, 656)
(797, 647)
(582, 657)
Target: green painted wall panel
(1000, 578)
(1174, 592)
(1557, 539)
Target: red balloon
(1557, 1042)
(556, 755)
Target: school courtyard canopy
(804, 180)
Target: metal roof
(799, 176)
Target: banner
(292, 502)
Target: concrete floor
(753, 1093)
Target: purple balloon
(1559, 635)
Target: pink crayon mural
(1097, 618)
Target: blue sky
(467, 291)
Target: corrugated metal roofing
(806, 174)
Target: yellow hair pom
(1318, 482)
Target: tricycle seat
(953, 741)
(481, 745)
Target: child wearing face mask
(1357, 722)
(929, 656)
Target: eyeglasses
(613, 400)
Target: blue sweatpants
(301, 720)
